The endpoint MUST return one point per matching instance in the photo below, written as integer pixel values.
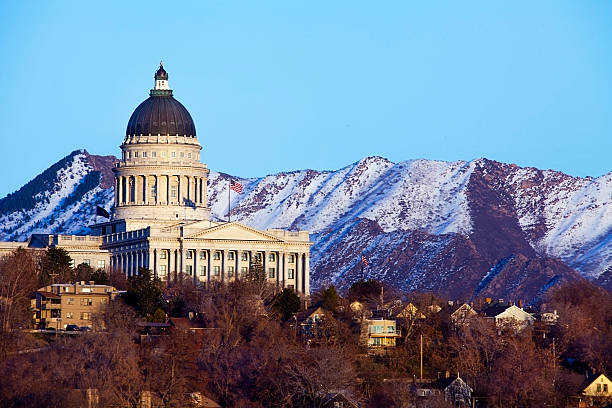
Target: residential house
(379, 333)
(453, 389)
(339, 399)
(59, 305)
(506, 315)
(598, 388)
(462, 315)
(309, 322)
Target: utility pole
(421, 357)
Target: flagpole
(229, 201)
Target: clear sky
(279, 86)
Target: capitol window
(217, 270)
(162, 270)
(202, 254)
(135, 154)
(230, 256)
(217, 255)
(271, 257)
(162, 255)
(173, 154)
(189, 155)
(144, 154)
(153, 154)
(182, 154)
(173, 192)
(271, 272)
(245, 256)
(290, 274)
(163, 154)
(202, 270)
(230, 271)
(291, 259)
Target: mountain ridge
(425, 224)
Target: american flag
(236, 186)
(364, 260)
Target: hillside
(461, 228)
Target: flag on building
(236, 186)
(102, 212)
(364, 260)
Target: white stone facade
(161, 221)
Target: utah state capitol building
(161, 220)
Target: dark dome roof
(161, 114)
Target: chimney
(447, 374)
(488, 300)
(92, 282)
(520, 303)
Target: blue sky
(279, 86)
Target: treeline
(251, 353)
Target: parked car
(85, 329)
(72, 327)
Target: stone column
(307, 274)
(196, 253)
(209, 272)
(145, 186)
(153, 257)
(284, 273)
(298, 270)
(167, 189)
(277, 269)
(223, 265)
(117, 190)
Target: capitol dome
(161, 114)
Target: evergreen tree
(55, 267)
(100, 277)
(330, 298)
(144, 293)
(287, 303)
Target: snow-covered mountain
(462, 228)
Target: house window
(598, 388)
(291, 258)
(202, 270)
(56, 314)
(291, 273)
(85, 315)
(189, 269)
(338, 404)
(101, 264)
(202, 254)
(162, 255)
(85, 290)
(217, 255)
(271, 272)
(103, 301)
(86, 301)
(272, 257)
(70, 301)
(230, 256)
(217, 270)
(162, 270)
(188, 255)
(605, 388)
(230, 271)
(69, 315)
(376, 329)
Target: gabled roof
(596, 378)
(234, 230)
(495, 309)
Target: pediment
(234, 231)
